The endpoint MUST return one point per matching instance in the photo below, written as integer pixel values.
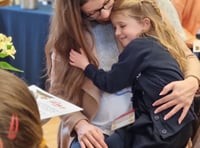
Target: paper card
(50, 105)
(123, 120)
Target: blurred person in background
(188, 11)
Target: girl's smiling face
(128, 28)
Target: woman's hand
(79, 60)
(181, 97)
(89, 136)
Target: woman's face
(98, 10)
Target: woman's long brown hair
(68, 31)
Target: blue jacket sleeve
(122, 74)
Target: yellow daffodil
(7, 49)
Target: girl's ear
(147, 24)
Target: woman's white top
(111, 105)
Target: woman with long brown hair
(85, 24)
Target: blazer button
(156, 117)
(164, 131)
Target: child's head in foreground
(20, 125)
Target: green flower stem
(6, 66)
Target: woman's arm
(77, 122)
(183, 92)
(181, 97)
(57, 88)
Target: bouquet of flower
(7, 49)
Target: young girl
(20, 124)
(153, 57)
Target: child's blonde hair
(160, 29)
(20, 125)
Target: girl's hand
(79, 60)
(89, 136)
(181, 97)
